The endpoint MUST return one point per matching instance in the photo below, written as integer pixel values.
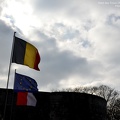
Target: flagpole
(8, 77)
(10, 60)
(14, 79)
(12, 99)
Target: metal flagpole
(10, 60)
(12, 98)
(8, 77)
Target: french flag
(26, 98)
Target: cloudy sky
(78, 41)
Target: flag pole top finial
(14, 33)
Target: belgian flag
(25, 53)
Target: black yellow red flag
(25, 53)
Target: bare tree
(106, 92)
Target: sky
(78, 41)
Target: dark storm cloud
(57, 65)
(85, 28)
(6, 38)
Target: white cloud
(78, 40)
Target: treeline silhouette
(111, 95)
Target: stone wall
(55, 106)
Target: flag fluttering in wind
(25, 53)
(24, 83)
(25, 87)
(26, 99)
